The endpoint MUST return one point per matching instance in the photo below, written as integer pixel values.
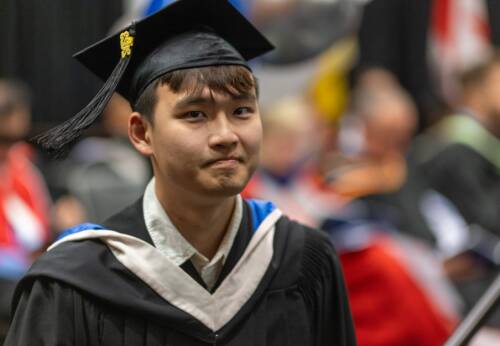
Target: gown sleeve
(323, 288)
(49, 313)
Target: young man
(191, 263)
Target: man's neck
(203, 225)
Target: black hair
(227, 79)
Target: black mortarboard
(186, 34)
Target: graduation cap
(186, 34)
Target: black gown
(79, 294)
(470, 182)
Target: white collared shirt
(169, 241)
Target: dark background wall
(38, 38)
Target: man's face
(389, 128)
(208, 143)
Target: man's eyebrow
(192, 100)
(244, 97)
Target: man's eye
(194, 115)
(243, 111)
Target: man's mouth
(225, 161)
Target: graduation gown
(99, 289)
(470, 181)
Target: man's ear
(139, 133)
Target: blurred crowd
(390, 143)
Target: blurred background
(382, 128)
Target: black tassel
(60, 139)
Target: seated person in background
(24, 202)
(383, 120)
(380, 171)
(460, 158)
(463, 160)
(191, 262)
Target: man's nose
(223, 135)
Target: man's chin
(226, 187)
(227, 190)
(225, 193)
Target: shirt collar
(167, 238)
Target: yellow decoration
(126, 43)
(330, 88)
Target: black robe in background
(470, 182)
(79, 294)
